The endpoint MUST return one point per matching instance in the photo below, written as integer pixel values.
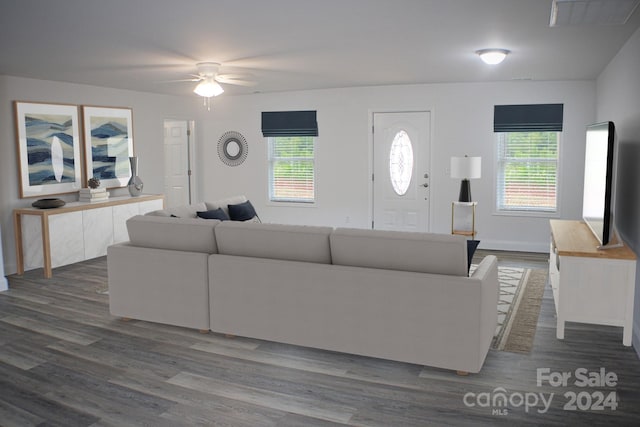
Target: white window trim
(529, 214)
(293, 203)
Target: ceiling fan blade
(231, 81)
(180, 80)
(235, 76)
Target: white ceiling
(297, 44)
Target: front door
(401, 147)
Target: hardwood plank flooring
(65, 361)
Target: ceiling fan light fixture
(493, 56)
(208, 88)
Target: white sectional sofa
(393, 295)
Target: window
(401, 163)
(292, 169)
(291, 138)
(527, 147)
(527, 171)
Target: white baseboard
(503, 245)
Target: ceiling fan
(209, 79)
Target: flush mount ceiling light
(493, 56)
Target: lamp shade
(466, 167)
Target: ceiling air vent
(591, 12)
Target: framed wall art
(48, 142)
(108, 144)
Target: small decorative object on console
(135, 184)
(93, 182)
(93, 193)
(48, 203)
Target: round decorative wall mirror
(232, 148)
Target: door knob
(425, 185)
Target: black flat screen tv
(599, 180)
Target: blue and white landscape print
(50, 150)
(109, 147)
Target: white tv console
(590, 285)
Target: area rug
(519, 301)
(519, 327)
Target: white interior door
(177, 170)
(401, 147)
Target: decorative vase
(135, 183)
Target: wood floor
(64, 361)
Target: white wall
(618, 94)
(462, 123)
(149, 111)
(462, 118)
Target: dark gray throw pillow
(242, 211)
(213, 214)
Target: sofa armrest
(487, 266)
(487, 273)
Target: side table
(463, 218)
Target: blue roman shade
(289, 123)
(528, 118)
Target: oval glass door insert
(401, 163)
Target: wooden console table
(78, 231)
(590, 285)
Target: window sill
(528, 214)
(286, 204)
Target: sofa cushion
(396, 250)
(274, 241)
(187, 211)
(181, 234)
(214, 214)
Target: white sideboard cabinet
(49, 238)
(590, 285)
